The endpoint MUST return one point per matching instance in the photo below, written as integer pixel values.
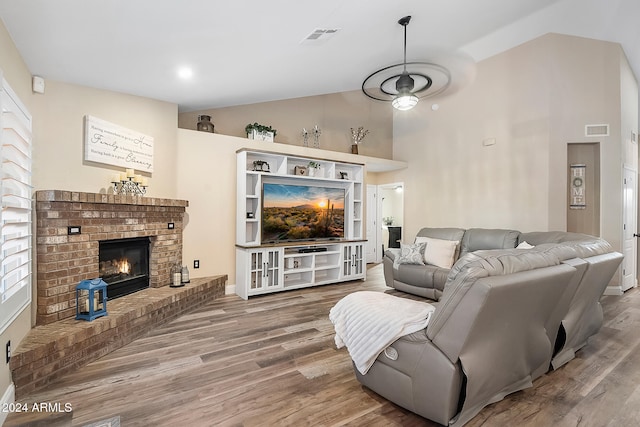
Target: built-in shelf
(264, 267)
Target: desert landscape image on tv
(300, 212)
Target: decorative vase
(354, 148)
(204, 123)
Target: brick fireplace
(63, 259)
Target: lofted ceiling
(248, 51)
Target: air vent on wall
(320, 35)
(596, 130)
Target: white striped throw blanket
(368, 322)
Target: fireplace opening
(124, 265)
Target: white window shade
(15, 207)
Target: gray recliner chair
(488, 337)
(584, 316)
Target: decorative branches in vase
(357, 135)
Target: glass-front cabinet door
(265, 270)
(272, 269)
(353, 261)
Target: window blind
(15, 204)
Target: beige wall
(17, 75)
(452, 178)
(13, 68)
(629, 114)
(58, 132)
(533, 100)
(334, 113)
(586, 90)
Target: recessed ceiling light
(435, 107)
(185, 73)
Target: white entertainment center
(265, 267)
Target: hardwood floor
(271, 361)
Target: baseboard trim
(9, 396)
(613, 290)
(230, 289)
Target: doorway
(385, 218)
(629, 222)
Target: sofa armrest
(392, 254)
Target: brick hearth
(51, 351)
(64, 260)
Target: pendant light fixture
(405, 100)
(404, 84)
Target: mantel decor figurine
(316, 136)
(357, 135)
(129, 184)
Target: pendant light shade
(404, 102)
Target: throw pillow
(524, 245)
(439, 252)
(410, 254)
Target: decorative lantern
(176, 276)
(204, 123)
(185, 275)
(91, 299)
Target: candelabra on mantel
(129, 184)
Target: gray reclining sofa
(504, 317)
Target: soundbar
(312, 249)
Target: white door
(373, 252)
(629, 263)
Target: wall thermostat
(37, 84)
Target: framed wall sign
(115, 145)
(578, 196)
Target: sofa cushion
(567, 245)
(538, 237)
(439, 252)
(442, 233)
(411, 254)
(477, 239)
(524, 245)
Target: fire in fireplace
(124, 265)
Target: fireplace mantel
(79, 197)
(64, 259)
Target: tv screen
(301, 212)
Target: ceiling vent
(596, 130)
(320, 35)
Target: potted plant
(260, 132)
(313, 168)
